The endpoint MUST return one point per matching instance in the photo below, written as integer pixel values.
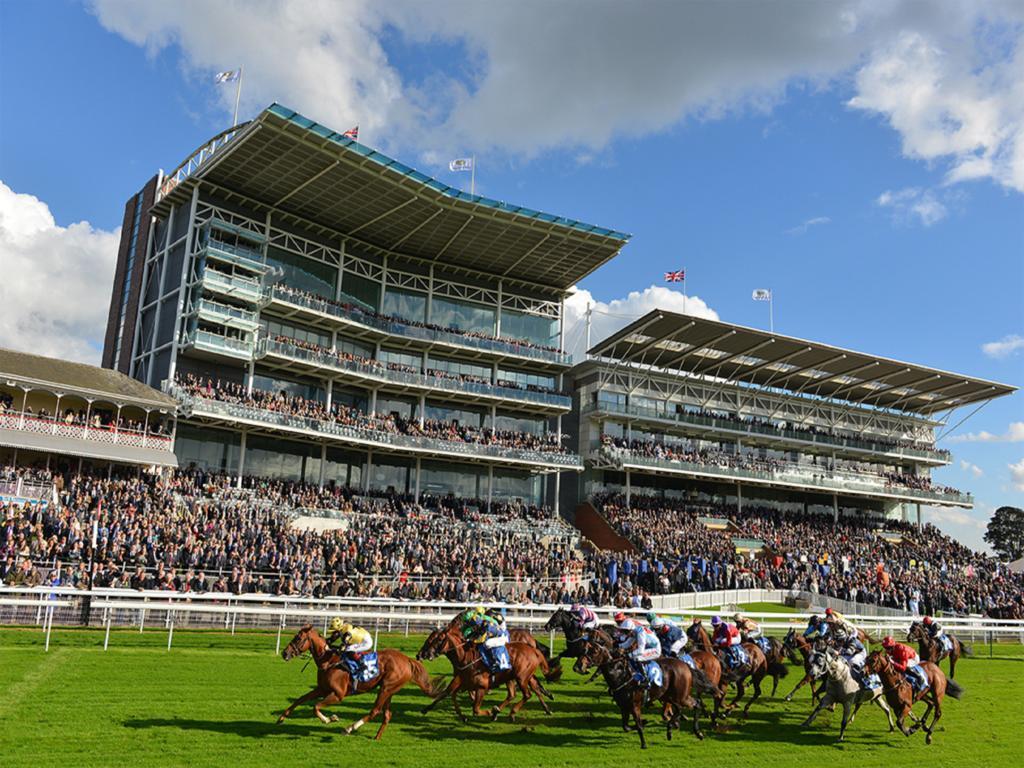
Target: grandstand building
(322, 312)
(697, 409)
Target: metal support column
(241, 456)
(835, 508)
(739, 497)
(419, 468)
(629, 489)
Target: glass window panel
(526, 380)
(445, 412)
(302, 273)
(515, 485)
(442, 479)
(462, 316)
(460, 368)
(405, 304)
(534, 328)
(530, 424)
(207, 448)
(390, 476)
(269, 383)
(362, 288)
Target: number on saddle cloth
(947, 643)
(764, 643)
(496, 659)
(737, 656)
(688, 660)
(653, 671)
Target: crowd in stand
(812, 431)
(689, 452)
(95, 418)
(287, 291)
(911, 568)
(438, 429)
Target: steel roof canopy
(692, 345)
(285, 161)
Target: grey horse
(842, 688)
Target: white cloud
(957, 98)
(966, 526)
(1014, 434)
(911, 204)
(56, 281)
(801, 229)
(609, 317)
(531, 76)
(974, 469)
(1017, 474)
(1006, 346)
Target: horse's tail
(954, 689)
(543, 648)
(430, 686)
(701, 683)
(777, 669)
(966, 649)
(552, 672)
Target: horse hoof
(280, 719)
(334, 718)
(348, 731)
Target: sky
(864, 161)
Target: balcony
(205, 341)
(370, 438)
(384, 375)
(353, 316)
(790, 436)
(108, 435)
(240, 288)
(236, 255)
(796, 476)
(225, 314)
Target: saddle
(361, 669)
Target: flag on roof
(227, 77)
(352, 133)
(761, 294)
(675, 277)
(461, 164)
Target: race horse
(901, 696)
(930, 649)
(841, 687)
(519, 636)
(799, 649)
(756, 669)
(575, 636)
(334, 683)
(678, 685)
(473, 676)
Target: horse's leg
(386, 720)
(846, 718)
(312, 694)
(952, 661)
(510, 688)
(879, 699)
(938, 714)
(639, 723)
(537, 688)
(799, 685)
(449, 690)
(756, 680)
(526, 691)
(330, 699)
(816, 711)
(383, 696)
(740, 690)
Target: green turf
(213, 699)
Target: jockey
(840, 623)
(817, 629)
(491, 637)
(354, 644)
(751, 632)
(854, 652)
(727, 637)
(905, 659)
(640, 644)
(584, 616)
(935, 630)
(672, 639)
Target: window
(404, 304)
(462, 316)
(534, 328)
(302, 273)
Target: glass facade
(273, 328)
(459, 368)
(535, 425)
(270, 383)
(462, 316)
(405, 304)
(393, 474)
(362, 288)
(441, 478)
(209, 449)
(526, 380)
(448, 412)
(517, 485)
(519, 325)
(305, 274)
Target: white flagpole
(472, 176)
(684, 291)
(238, 97)
(771, 310)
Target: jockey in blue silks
(642, 648)
(673, 640)
(817, 629)
(491, 637)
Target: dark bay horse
(901, 696)
(473, 676)
(333, 682)
(675, 693)
(575, 637)
(933, 650)
(756, 670)
(800, 650)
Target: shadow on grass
(250, 729)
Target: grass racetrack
(213, 701)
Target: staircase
(593, 526)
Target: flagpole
(238, 97)
(472, 177)
(771, 310)
(684, 291)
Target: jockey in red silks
(727, 637)
(906, 660)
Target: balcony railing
(240, 256)
(330, 429)
(110, 435)
(439, 383)
(29, 490)
(751, 428)
(196, 159)
(237, 287)
(837, 481)
(352, 314)
(223, 345)
(227, 314)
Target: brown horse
(709, 664)
(933, 650)
(333, 682)
(755, 670)
(473, 676)
(794, 643)
(675, 692)
(523, 636)
(901, 696)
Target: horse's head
(299, 644)
(817, 664)
(593, 655)
(877, 662)
(557, 620)
(789, 641)
(431, 647)
(915, 632)
(835, 665)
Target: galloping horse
(930, 649)
(675, 691)
(519, 636)
(901, 696)
(575, 637)
(473, 676)
(795, 643)
(333, 683)
(756, 670)
(841, 686)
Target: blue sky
(887, 228)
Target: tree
(1006, 532)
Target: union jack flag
(675, 277)
(352, 133)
